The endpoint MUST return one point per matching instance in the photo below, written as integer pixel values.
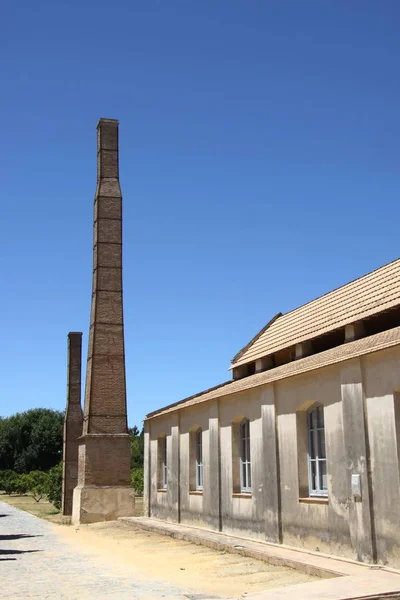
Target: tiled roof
(367, 345)
(359, 299)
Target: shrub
(5, 475)
(54, 485)
(137, 480)
(10, 484)
(13, 483)
(21, 484)
(37, 484)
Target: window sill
(195, 492)
(163, 490)
(242, 495)
(314, 500)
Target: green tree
(137, 447)
(54, 485)
(32, 440)
(10, 484)
(22, 484)
(37, 483)
(137, 480)
(5, 475)
(14, 483)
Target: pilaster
(147, 470)
(358, 461)
(271, 484)
(174, 469)
(212, 490)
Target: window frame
(199, 485)
(245, 457)
(315, 441)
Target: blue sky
(260, 168)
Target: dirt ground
(153, 556)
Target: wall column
(147, 470)
(213, 491)
(271, 483)
(174, 470)
(358, 461)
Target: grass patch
(43, 509)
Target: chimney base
(93, 504)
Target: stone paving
(35, 563)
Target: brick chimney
(72, 422)
(103, 491)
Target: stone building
(302, 446)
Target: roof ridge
(347, 351)
(255, 338)
(342, 286)
(247, 347)
(192, 397)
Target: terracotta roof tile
(367, 345)
(359, 299)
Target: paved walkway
(34, 563)
(377, 585)
(342, 579)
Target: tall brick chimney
(72, 422)
(103, 491)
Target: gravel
(35, 563)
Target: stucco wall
(194, 505)
(315, 526)
(360, 416)
(382, 379)
(240, 512)
(164, 503)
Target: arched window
(316, 451)
(199, 460)
(245, 462)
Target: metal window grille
(317, 477)
(199, 460)
(245, 462)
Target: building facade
(302, 446)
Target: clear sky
(260, 168)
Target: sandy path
(36, 564)
(149, 556)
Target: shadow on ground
(16, 536)
(7, 537)
(2, 552)
(1, 559)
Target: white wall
(359, 412)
